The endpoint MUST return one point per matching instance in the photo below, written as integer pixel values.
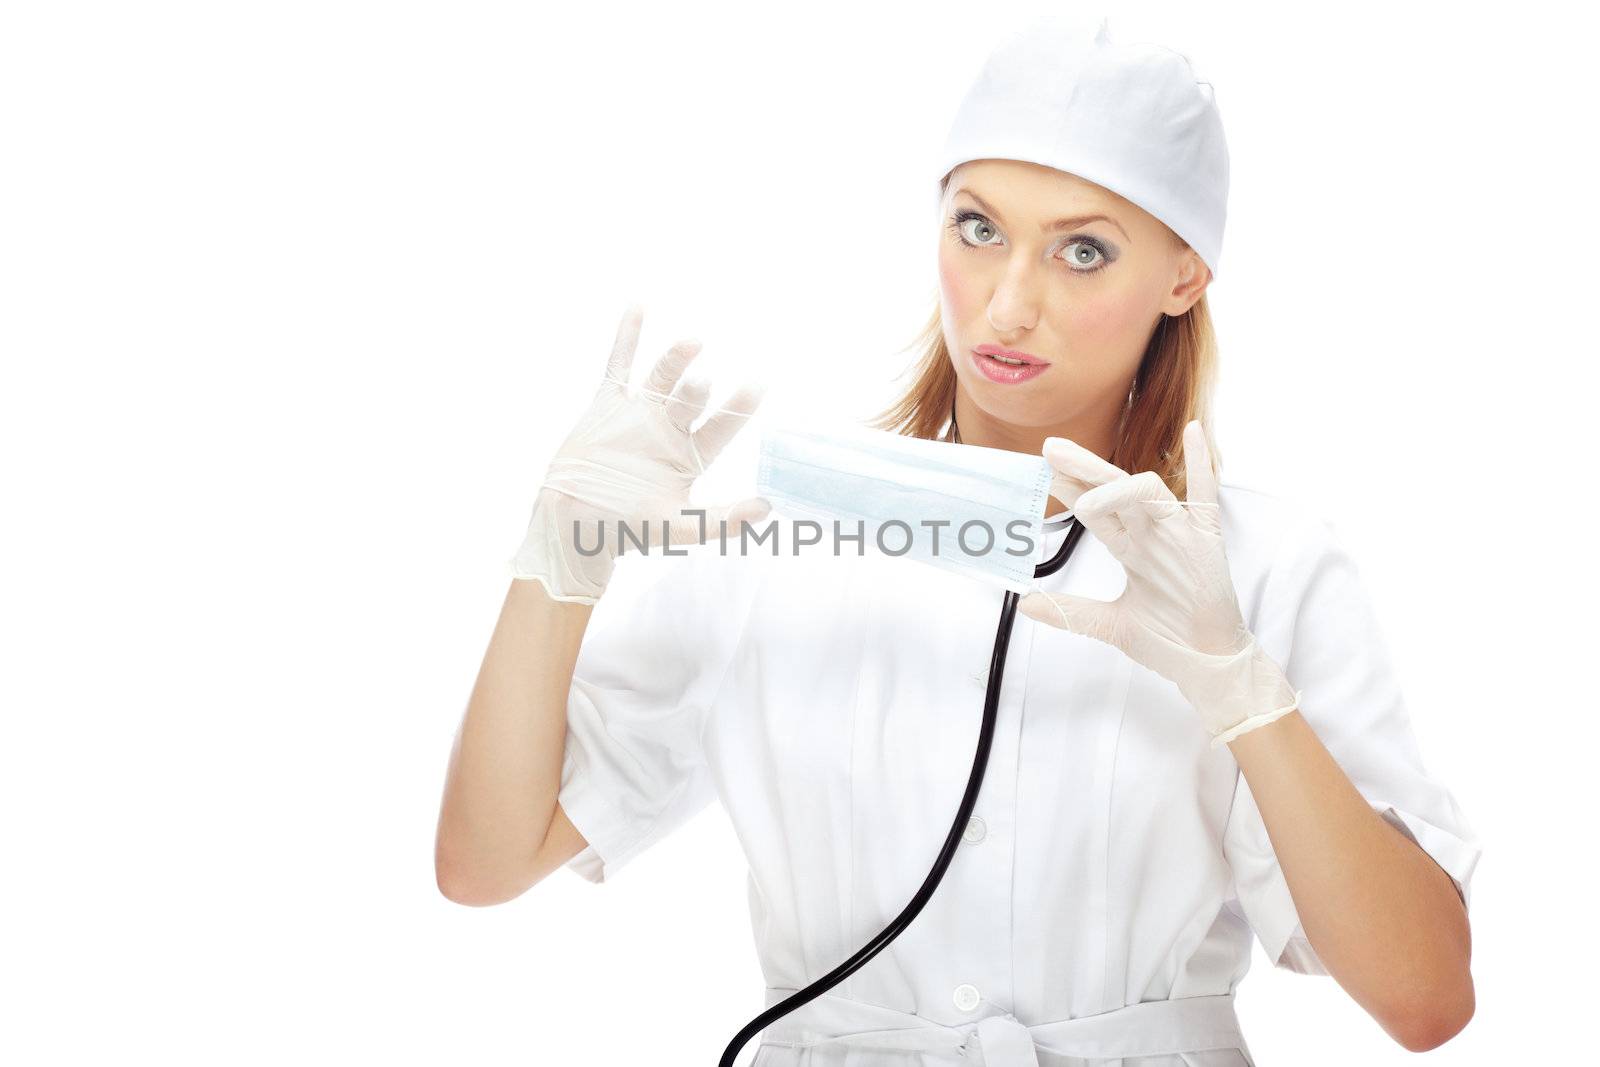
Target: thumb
(750, 509)
(1081, 615)
(686, 529)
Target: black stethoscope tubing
(980, 763)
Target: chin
(1004, 403)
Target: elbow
(1443, 1002)
(475, 892)
(1426, 1028)
(474, 886)
(458, 890)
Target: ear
(1192, 278)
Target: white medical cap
(1131, 117)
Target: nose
(1014, 306)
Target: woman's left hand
(1179, 615)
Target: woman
(1124, 849)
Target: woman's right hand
(630, 461)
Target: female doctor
(1199, 740)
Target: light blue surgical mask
(969, 509)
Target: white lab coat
(832, 705)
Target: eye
(982, 231)
(1085, 256)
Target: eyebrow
(1049, 227)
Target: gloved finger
(1099, 619)
(751, 509)
(686, 529)
(669, 368)
(1116, 538)
(1198, 471)
(1065, 489)
(1093, 509)
(619, 366)
(1133, 500)
(1152, 498)
(1075, 462)
(722, 424)
(687, 401)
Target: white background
(298, 299)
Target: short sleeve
(1317, 623)
(653, 658)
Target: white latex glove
(630, 460)
(1179, 615)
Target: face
(1077, 298)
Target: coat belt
(1149, 1028)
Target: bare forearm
(1384, 918)
(505, 766)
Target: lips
(996, 367)
(1010, 356)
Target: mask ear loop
(641, 389)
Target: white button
(966, 997)
(975, 831)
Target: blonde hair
(1173, 385)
